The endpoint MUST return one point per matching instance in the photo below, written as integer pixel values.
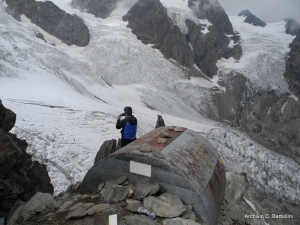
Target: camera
(122, 114)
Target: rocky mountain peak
(292, 27)
(252, 19)
(213, 12)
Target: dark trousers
(126, 141)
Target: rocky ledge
(241, 205)
(20, 177)
(70, 29)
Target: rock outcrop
(213, 12)
(20, 177)
(209, 48)
(107, 148)
(70, 29)
(99, 8)
(149, 21)
(7, 118)
(292, 27)
(292, 72)
(270, 119)
(241, 205)
(160, 122)
(247, 205)
(252, 19)
(151, 24)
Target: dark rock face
(160, 122)
(274, 122)
(292, 27)
(252, 19)
(7, 118)
(149, 21)
(213, 12)
(66, 27)
(99, 8)
(211, 47)
(20, 177)
(292, 72)
(107, 148)
(239, 200)
(269, 119)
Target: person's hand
(119, 117)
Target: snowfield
(67, 98)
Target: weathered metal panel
(190, 169)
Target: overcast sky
(266, 10)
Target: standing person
(128, 125)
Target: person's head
(128, 110)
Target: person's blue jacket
(129, 127)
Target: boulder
(252, 19)
(39, 202)
(134, 207)
(137, 219)
(99, 8)
(166, 205)
(103, 208)
(115, 193)
(160, 122)
(76, 214)
(108, 147)
(188, 213)
(79, 210)
(181, 221)
(143, 190)
(70, 29)
(19, 216)
(65, 206)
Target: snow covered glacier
(67, 98)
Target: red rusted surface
(174, 134)
(151, 139)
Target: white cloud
(266, 10)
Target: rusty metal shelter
(188, 167)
